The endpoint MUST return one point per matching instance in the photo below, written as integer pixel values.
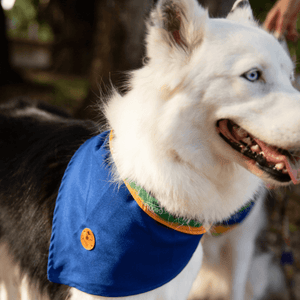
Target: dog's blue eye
(252, 75)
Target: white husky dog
(208, 122)
(208, 77)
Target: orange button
(87, 239)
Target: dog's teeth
(247, 141)
(255, 148)
(279, 166)
(245, 149)
(262, 153)
(284, 171)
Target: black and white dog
(36, 144)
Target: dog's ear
(241, 12)
(176, 24)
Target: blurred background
(65, 51)
(69, 52)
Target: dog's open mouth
(279, 164)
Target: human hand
(282, 18)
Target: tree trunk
(117, 47)
(7, 74)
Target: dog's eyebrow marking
(172, 153)
(167, 93)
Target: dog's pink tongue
(272, 155)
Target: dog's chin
(275, 165)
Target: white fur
(209, 184)
(242, 15)
(229, 257)
(227, 260)
(13, 285)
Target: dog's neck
(139, 155)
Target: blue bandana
(102, 242)
(133, 253)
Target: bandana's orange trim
(150, 213)
(221, 229)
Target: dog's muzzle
(282, 165)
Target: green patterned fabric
(153, 205)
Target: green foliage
(74, 90)
(261, 8)
(293, 228)
(45, 33)
(68, 91)
(22, 14)
(24, 23)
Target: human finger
(271, 20)
(292, 33)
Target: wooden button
(87, 239)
